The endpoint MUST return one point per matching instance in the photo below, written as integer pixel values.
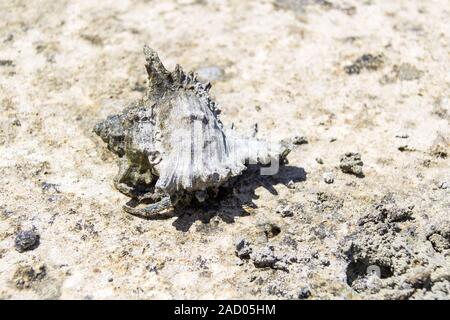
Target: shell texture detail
(172, 144)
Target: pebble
(26, 240)
(291, 184)
(243, 249)
(351, 163)
(285, 211)
(210, 73)
(298, 140)
(406, 148)
(328, 177)
(304, 293)
(367, 62)
(443, 185)
(265, 257)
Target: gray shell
(176, 127)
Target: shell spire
(158, 76)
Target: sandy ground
(65, 65)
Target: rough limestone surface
(351, 163)
(66, 65)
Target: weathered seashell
(172, 145)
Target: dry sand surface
(369, 77)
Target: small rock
(285, 211)
(406, 148)
(440, 242)
(264, 258)
(304, 293)
(324, 261)
(332, 139)
(420, 280)
(26, 240)
(319, 160)
(367, 62)
(443, 185)
(328, 177)
(53, 198)
(210, 73)
(298, 140)
(351, 163)
(50, 186)
(243, 249)
(291, 184)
